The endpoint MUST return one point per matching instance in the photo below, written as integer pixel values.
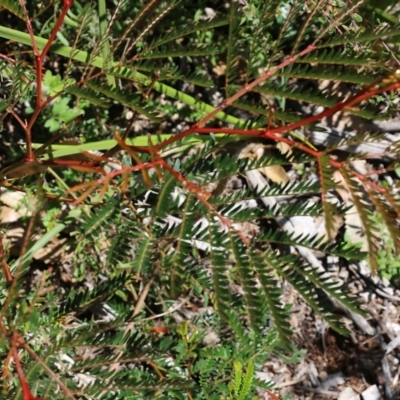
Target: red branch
(24, 385)
(39, 59)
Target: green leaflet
(327, 186)
(364, 37)
(182, 258)
(178, 52)
(100, 216)
(145, 255)
(87, 94)
(319, 303)
(331, 72)
(245, 272)
(311, 97)
(13, 7)
(314, 243)
(130, 100)
(361, 202)
(220, 271)
(271, 294)
(187, 30)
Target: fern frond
(196, 79)
(327, 186)
(13, 7)
(128, 232)
(166, 52)
(272, 294)
(393, 200)
(247, 379)
(180, 32)
(87, 94)
(314, 243)
(288, 268)
(165, 197)
(386, 211)
(145, 255)
(366, 37)
(101, 217)
(291, 189)
(364, 209)
(246, 273)
(80, 301)
(311, 97)
(182, 257)
(327, 283)
(333, 73)
(232, 56)
(249, 211)
(123, 97)
(255, 109)
(332, 56)
(354, 140)
(224, 166)
(219, 267)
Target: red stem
(39, 59)
(27, 394)
(4, 265)
(250, 86)
(357, 98)
(363, 94)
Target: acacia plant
(153, 217)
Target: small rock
(313, 373)
(211, 339)
(372, 393)
(348, 394)
(344, 274)
(386, 282)
(265, 376)
(323, 375)
(8, 215)
(332, 380)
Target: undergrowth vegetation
(170, 160)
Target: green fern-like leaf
(387, 212)
(220, 280)
(119, 95)
(367, 36)
(182, 257)
(178, 52)
(313, 242)
(100, 217)
(187, 30)
(327, 185)
(246, 273)
(232, 57)
(311, 97)
(288, 268)
(146, 254)
(362, 204)
(247, 380)
(271, 294)
(13, 7)
(335, 57)
(332, 73)
(87, 94)
(327, 283)
(164, 197)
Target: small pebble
(323, 375)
